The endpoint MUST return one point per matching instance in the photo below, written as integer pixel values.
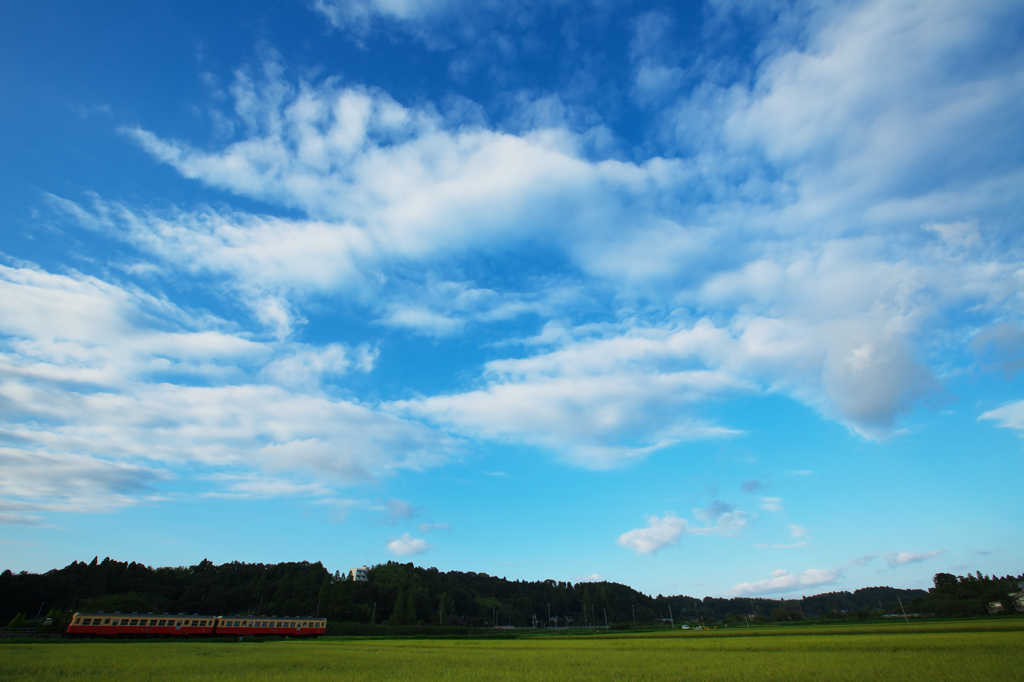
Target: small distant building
(1018, 599)
(359, 575)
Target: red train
(113, 624)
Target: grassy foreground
(971, 654)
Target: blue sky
(712, 298)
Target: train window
(202, 623)
(134, 622)
(87, 621)
(163, 622)
(106, 621)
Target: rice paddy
(978, 651)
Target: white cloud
(895, 559)
(659, 533)
(359, 14)
(782, 581)
(819, 235)
(772, 504)
(252, 485)
(109, 389)
(668, 530)
(407, 545)
(797, 531)
(1010, 416)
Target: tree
(398, 615)
(410, 609)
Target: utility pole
(671, 620)
(605, 618)
(903, 610)
(548, 624)
(633, 607)
(373, 618)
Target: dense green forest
(403, 594)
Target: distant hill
(404, 594)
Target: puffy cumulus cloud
(407, 545)
(659, 534)
(782, 581)
(107, 390)
(669, 530)
(895, 559)
(772, 504)
(797, 531)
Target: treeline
(971, 595)
(399, 594)
(284, 589)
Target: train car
(285, 627)
(114, 624)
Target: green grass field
(948, 651)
